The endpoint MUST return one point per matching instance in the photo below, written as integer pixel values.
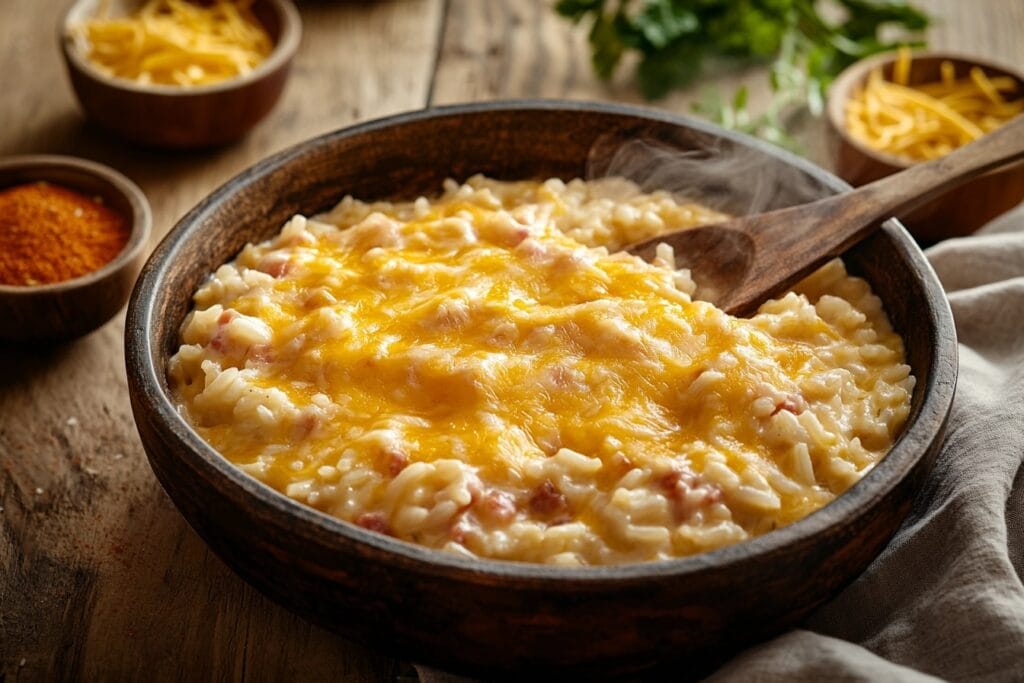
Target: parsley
(674, 38)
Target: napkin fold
(945, 599)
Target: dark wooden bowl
(69, 309)
(501, 618)
(956, 213)
(183, 117)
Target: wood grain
(522, 49)
(500, 50)
(99, 575)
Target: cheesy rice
(486, 374)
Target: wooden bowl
(956, 213)
(69, 309)
(500, 618)
(177, 116)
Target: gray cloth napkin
(945, 598)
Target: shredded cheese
(926, 121)
(176, 42)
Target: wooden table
(100, 577)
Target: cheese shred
(928, 120)
(176, 42)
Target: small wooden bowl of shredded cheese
(179, 73)
(888, 112)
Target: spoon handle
(922, 182)
(801, 238)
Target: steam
(717, 173)
(732, 178)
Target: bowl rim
(851, 77)
(141, 218)
(285, 47)
(148, 388)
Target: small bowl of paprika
(72, 237)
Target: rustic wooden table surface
(100, 578)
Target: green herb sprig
(674, 39)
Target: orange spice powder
(49, 234)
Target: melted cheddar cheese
(469, 374)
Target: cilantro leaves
(805, 50)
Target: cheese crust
(485, 373)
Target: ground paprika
(50, 233)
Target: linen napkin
(945, 599)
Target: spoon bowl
(718, 256)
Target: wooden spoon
(740, 263)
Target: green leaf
(663, 21)
(672, 67)
(866, 19)
(606, 47)
(739, 99)
(823, 62)
(746, 30)
(877, 12)
(805, 49)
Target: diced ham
(548, 501)
(507, 232)
(687, 493)
(274, 264)
(374, 521)
(675, 478)
(395, 461)
(793, 403)
(517, 236)
(219, 341)
(306, 424)
(497, 506)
